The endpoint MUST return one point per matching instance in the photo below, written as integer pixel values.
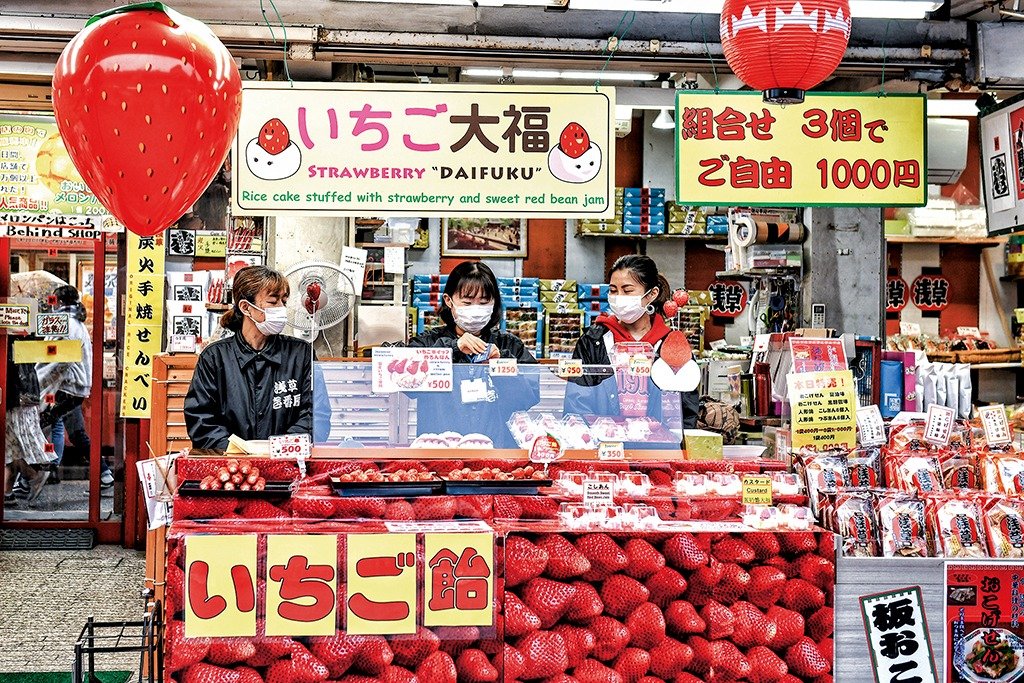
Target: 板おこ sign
(834, 149)
(424, 150)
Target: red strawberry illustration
(396, 674)
(474, 667)
(669, 658)
(789, 627)
(765, 544)
(374, 656)
(511, 662)
(519, 619)
(644, 559)
(544, 654)
(149, 132)
(682, 619)
(247, 674)
(225, 651)
(633, 664)
(579, 642)
(586, 604)
(593, 671)
(733, 586)
(817, 570)
(729, 662)
(437, 668)
(574, 140)
(336, 652)
(612, 637)
(183, 652)
(676, 350)
(733, 550)
(274, 139)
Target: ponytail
(664, 294)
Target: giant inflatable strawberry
(147, 101)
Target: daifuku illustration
(576, 159)
(272, 155)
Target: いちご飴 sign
(425, 150)
(835, 149)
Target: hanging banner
(835, 149)
(144, 319)
(425, 150)
(984, 621)
(824, 410)
(36, 173)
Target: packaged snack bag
(1004, 527)
(902, 526)
(959, 531)
(865, 468)
(921, 473)
(961, 472)
(857, 523)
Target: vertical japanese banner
(1017, 138)
(302, 585)
(459, 579)
(144, 315)
(220, 586)
(835, 149)
(824, 408)
(897, 633)
(425, 150)
(381, 584)
(984, 629)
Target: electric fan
(322, 296)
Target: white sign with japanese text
(15, 316)
(993, 420)
(939, 425)
(391, 149)
(870, 427)
(897, 636)
(397, 369)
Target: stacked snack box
(685, 220)
(563, 317)
(643, 211)
(523, 312)
(606, 226)
(593, 300)
(426, 297)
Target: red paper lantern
(784, 47)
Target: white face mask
(627, 308)
(473, 319)
(274, 320)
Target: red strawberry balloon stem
(157, 6)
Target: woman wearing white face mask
(636, 294)
(256, 383)
(471, 311)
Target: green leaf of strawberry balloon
(147, 101)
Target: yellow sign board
(334, 149)
(381, 592)
(459, 579)
(824, 410)
(211, 244)
(144, 316)
(56, 351)
(220, 580)
(302, 585)
(757, 489)
(835, 149)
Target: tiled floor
(46, 596)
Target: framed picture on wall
(484, 237)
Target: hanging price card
(545, 449)
(503, 367)
(569, 368)
(939, 425)
(290, 446)
(993, 420)
(870, 427)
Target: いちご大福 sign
(835, 149)
(425, 150)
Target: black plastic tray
(275, 490)
(492, 487)
(394, 489)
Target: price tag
(597, 492)
(181, 343)
(611, 450)
(968, 331)
(545, 449)
(993, 419)
(910, 329)
(870, 426)
(290, 446)
(504, 367)
(757, 489)
(939, 425)
(640, 366)
(473, 390)
(719, 344)
(569, 368)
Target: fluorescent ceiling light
(550, 74)
(957, 107)
(663, 121)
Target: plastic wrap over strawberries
(637, 607)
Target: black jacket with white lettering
(253, 394)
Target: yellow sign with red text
(302, 585)
(381, 571)
(459, 579)
(824, 410)
(219, 591)
(835, 149)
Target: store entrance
(82, 456)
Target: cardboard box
(549, 297)
(558, 286)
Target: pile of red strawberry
(684, 608)
(588, 608)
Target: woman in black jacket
(637, 292)
(478, 403)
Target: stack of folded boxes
(643, 211)
(426, 297)
(685, 220)
(563, 317)
(605, 226)
(523, 312)
(718, 225)
(593, 300)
